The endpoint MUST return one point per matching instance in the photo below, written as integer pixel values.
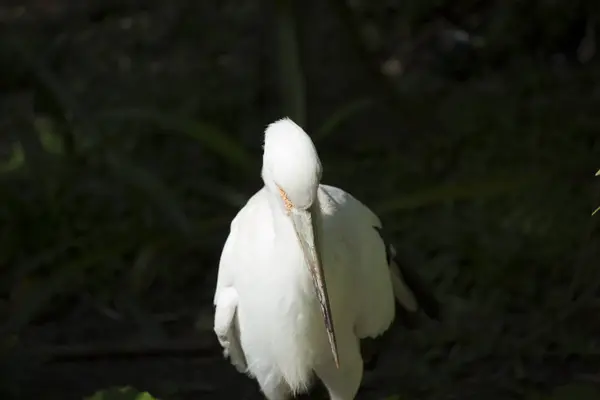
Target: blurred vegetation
(126, 393)
(132, 135)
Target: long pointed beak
(304, 225)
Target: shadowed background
(132, 134)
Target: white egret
(304, 276)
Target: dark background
(131, 134)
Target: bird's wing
(228, 262)
(350, 224)
(376, 286)
(380, 280)
(226, 303)
(226, 328)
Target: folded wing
(226, 302)
(388, 291)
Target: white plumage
(268, 317)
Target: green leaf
(56, 100)
(51, 142)
(340, 116)
(125, 393)
(209, 135)
(16, 160)
(142, 274)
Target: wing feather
(226, 328)
(386, 290)
(350, 223)
(226, 303)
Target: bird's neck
(294, 264)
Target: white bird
(304, 275)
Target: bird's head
(292, 173)
(291, 163)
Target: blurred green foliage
(119, 184)
(126, 393)
(573, 391)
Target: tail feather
(410, 290)
(403, 293)
(425, 298)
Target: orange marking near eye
(286, 201)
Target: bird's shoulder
(347, 220)
(255, 207)
(242, 238)
(336, 202)
(253, 217)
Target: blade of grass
(597, 209)
(110, 230)
(290, 69)
(223, 193)
(150, 329)
(56, 99)
(60, 282)
(452, 192)
(153, 189)
(341, 115)
(142, 273)
(120, 232)
(51, 142)
(209, 135)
